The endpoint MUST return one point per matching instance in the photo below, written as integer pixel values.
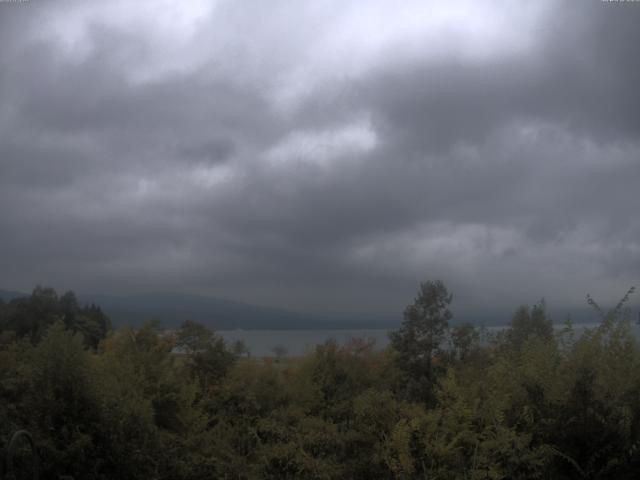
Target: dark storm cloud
(245, 158)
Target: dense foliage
(441, 402)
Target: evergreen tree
(418, 342)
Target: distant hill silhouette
(170, 309)
(8, 295)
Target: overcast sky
(322, 155)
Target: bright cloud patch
(324, 147)
(210, 176)
(157, 35)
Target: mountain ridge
(170, 309)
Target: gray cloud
(321, 158)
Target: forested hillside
(441, 402)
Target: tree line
(441, 402)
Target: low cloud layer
(321, 156)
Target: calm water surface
(299, 342)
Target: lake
(299, 342)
